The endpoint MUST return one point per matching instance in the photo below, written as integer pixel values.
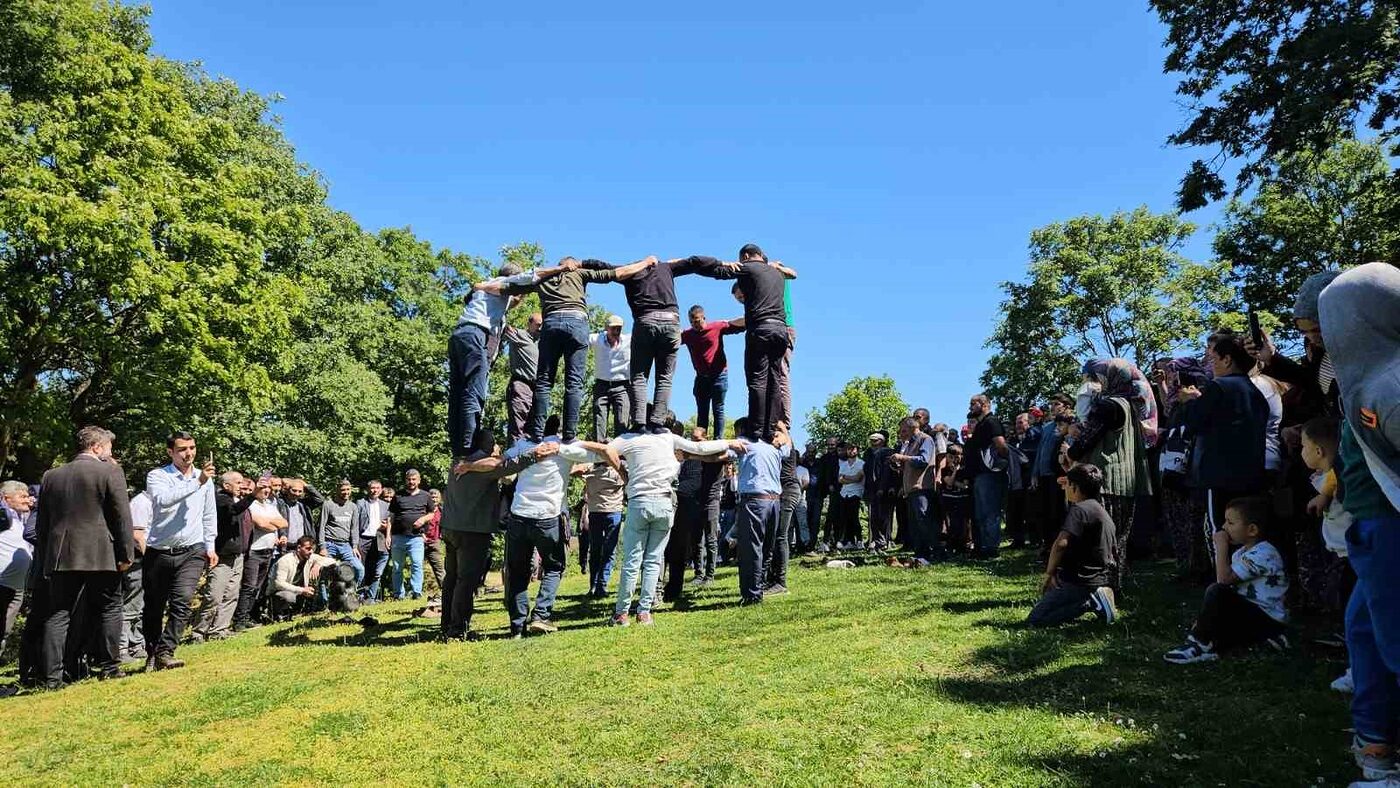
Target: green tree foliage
(1319, 211)
(862, 406)
(1267, 79)
(1100, 286)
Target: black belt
(760, 497)
(172, 550)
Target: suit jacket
(84, 522)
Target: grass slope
(866, 676)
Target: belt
(760, 497)
(172, 550)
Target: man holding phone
(179, 546)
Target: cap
(876, 436)
(614, 320)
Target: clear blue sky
(897, 157)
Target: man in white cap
(612, 375)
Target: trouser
(603, 530)
(345, 554)
(645, 534)
(1373, 627)
(835, 524)
(31, 640)
(880, 512)
(955, 512)
(255, 568)
(610, 397)
(1058, 605)
(797, 531)
(221, 595)
(95, 600)
(1228, 620)
(1017, 503)
(169, 579)
(903, 532)
(432, 556)
(709, 542)
(656, 337)
(11, 600)
(1050, 500)
(468, 366)
(520, 399)
(133, 645)
(525, 535)
(850, 519)
(376, 559)
(690, 519)
(406, 547)
(563, 336)
(988, 500)
(728, 524)
(709, 392)
(468, 559)
(1120, 510)
(776, 546)
(286, 604)
(923, 526)
(1182, 514)
(785, 379)
(814, 516)
(764, 347)
(758, 517)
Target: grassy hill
(871, 675)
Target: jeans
(375, 561)
(814, 516)
(1066, 603)
(468, 367)
(644, 538)
(133, 607)
(764, 347)
(775, 547)
(169, 581)
(1373, 627)
(758, 517)
(563, 336)
(520, 400)
(923, 526)
(610, 397)
(221, 597)
(525, 535)
(955, 509)
(655, 339)
(602, 546)
(344, 553)
(1228, 620)
(468, 558)
(798, 533)
(988, 497)
(709, 396)
(255, 568)
(411, 547)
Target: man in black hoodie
(219, 594)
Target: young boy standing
(1245, 604)
(1082, 558)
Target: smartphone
(1255, 332)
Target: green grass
(866, 676)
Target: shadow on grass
(400, 632)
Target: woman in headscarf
(1138, 392)
(1183, 509)
(1112, 437)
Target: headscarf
(1119, 377)
(1305, 308)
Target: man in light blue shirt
(179, 546)
(760, 494)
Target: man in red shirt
(706, 344)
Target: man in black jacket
(220, 590)
(85, 543)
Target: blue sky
(897, 156)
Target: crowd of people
(1274, 482)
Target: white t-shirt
(15, 554)
(612, 363)
(851, 468)
(377, 511)
(1262, 578)
(263, 540)
(651, 460)
(141, 511)
(1272, 458)
(539, 489)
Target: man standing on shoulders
(984, 466)
(524, 347)
(612, 382)
(84, 532)
(705, 340)
(179, 546)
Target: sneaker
(1390, 781)
(1191, 652)
(644, 619)
(1279, 643)
(1377, 761)
(1104, 603)
(621, 620)
(919, 563)
(775, 589)
(822, 547)
(697, 581)
(540, 627)
(1344, 683)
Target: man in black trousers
(85, 543)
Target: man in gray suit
(85, 543)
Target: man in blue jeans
(339, 537)
(705, 340)
(602, 491)
(409, 514)
(1360, 317)
(984, 465)
(760, 496)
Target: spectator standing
(180, 545)
(372, 515)
(612, 382)
(340, 537)
(261, 523)
(409, 512)
(222, 583)
(984, 465)
(603, 496)
(133, 645)
(850, 475)
(917, 461)
(16, 554)
(432, 542)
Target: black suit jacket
(84, 522)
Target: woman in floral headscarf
(1113, 438)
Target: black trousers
(764, 348)
(255, 569)
(611, 397)
(850, 519)
(880, 512)
(468, 559)
(1017, 505)
(1228, 620)
(168, 582)
(901, 520)
(687, 525)
(92, 601)
(1049, 500)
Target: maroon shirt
(707, 346)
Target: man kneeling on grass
(295, 578)
(1082, 558)
(1245, 604)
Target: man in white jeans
(651, 469)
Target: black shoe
(150, 664)
(474, 636)
(165, 662)
(114, 674)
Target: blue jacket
(1228, 422)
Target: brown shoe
(168, 663)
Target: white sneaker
(1344, 683)
(1373, 767)
(1105, 604)
(1191, 652)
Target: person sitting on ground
(295, 578)
(1080, 567)
(1245, 604)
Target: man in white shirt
(612, 379)
(133, 596)
(850, 474)
(179, 547)
(372, 515)
(292, 587)
(534, 525)
(16, 554)
(267, 519)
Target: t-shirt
(983, 436)
(706, 346)
(852, 468)
(1273, 460)
(602, 489)
(1092, 537)
(1261, 578)
(265, 540)
(611, 363)
(338, 522)
(405, 510)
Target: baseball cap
(614, 320)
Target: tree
(1098, 286)
(1320, 211)
(1268, 79)
(862, 406)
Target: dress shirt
(183, 513)
(610, 363)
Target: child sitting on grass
(1081, 560)
(1245, 604)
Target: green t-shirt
(1361, 496)
(787, 302)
